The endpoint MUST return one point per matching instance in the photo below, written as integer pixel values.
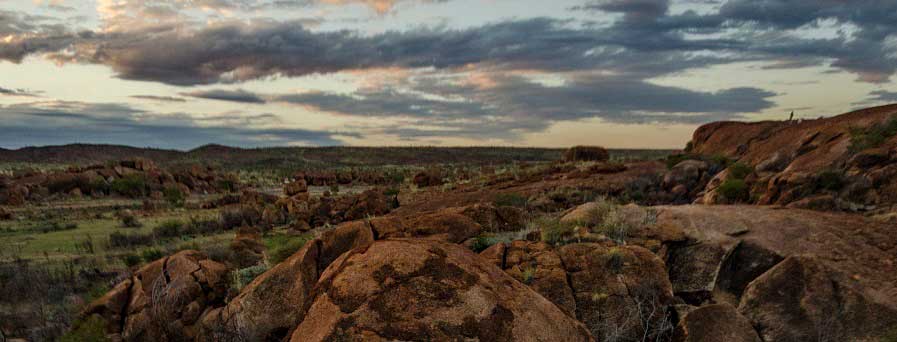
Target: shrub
(244, 276)
(674, 159)
(169, 229)
(174, 196)
(510, 200)
(119, 240)
(734, 190)
(131, 185)
(130, 259)
(235, 217)
(830, 180)
(615, 226)
(719, 159)
(281, 247)
(482, 242)
(871, 137)
(595, 216)
(615, 260)
(93, 329)
(152, 254)
(740, 170)
(529, 274)
(129, 220)
(554, 231)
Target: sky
(619, 73)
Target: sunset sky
(630, 74)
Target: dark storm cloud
(226, 95)
(57, 122)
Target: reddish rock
(427, 178)
(163, 299)
(535, 264)
(715, 322)
(416, 289)
(295, 188)
(274, 303)
(803, 299)
(445, 225)
(620, 292)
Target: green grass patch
(553, 231)
(93, 329)
(282, 246)
(510, 200)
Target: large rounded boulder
(421, 289)
(586, 153)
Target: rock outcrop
(715, 322)
(274, 303)
(803, 299)
(136, 178)
(164, 300)
(414, 289)
(851, 157)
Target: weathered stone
(419, 289)
(715, 323)
(802, 299)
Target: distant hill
(295, 157)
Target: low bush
(131, 186)
(152, 254)
(174, 196)
(169, 229)
(120, 240)
(740, 170)
(615, 260)
(483, 241)
(128, 219)
(281, 247)
(830, 180)
(614, 226)
(244, 276)
(873, 136)
(130, 259)
(231, 218)
(510, 200)
(529, 274)
(734, 191)
(53, 226)
(553, 231)
(93, 329)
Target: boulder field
(695, 273)
(777, 271)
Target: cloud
(18, 92)
(511, 105)
(239, 95)
(160, 43)
(878, 97)
(158, 98)
(63, 122)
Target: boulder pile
(137, 178)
